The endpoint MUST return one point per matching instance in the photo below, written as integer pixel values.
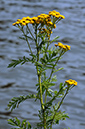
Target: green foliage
(15, 101)
(55, 39)
(19, 125)
(20, 61)
(45, 58)
(58, 116)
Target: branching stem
(27, 41)
(59, 106)
(55, 65)
(39, 80)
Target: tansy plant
(38, 30)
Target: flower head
(43, 19)
(56, 14)
(65, 47)
(71, 82)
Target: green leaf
(16, 122)
(41, 44)
(54, 78)
(60, 116)
(17, 100)
(43, 60)
(54, 53)
(46, 57)
(29, 37)
(55, 92)
(61, 86)
(22, 38)
(12, 122)
(55, 39)
(49, 92)
(48, 66)
(20, 61)
(57, 121)
(56, 70)
(39, 65)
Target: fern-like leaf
(20, 61)
(17, 100)
(19, 125)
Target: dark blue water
(22, 79)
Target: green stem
(27, 41)
(41, 98)
(55, 65)
(38, 72)
(29, 46)
(44, 119)
(45, 96)
(39, 80)
(30, 32)
(53, 68)
(63, 99)
(58, 21)
(59, 107)
(53, 98)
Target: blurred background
(22, 79)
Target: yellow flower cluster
(71, 82)
(44, 19)
(56, 14)
(66, 47)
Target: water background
(22, 79)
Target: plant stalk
(55, 65)
(39, 80)
(59, 106)
(27, 41)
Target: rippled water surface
(22, 79)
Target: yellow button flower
(71, 82)
(23, 22)
(28, 18)
(62, 16)
(18, 20)
(66, 47)
(27, 21)
(16, 23)
(44, 19)
(56, 14)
